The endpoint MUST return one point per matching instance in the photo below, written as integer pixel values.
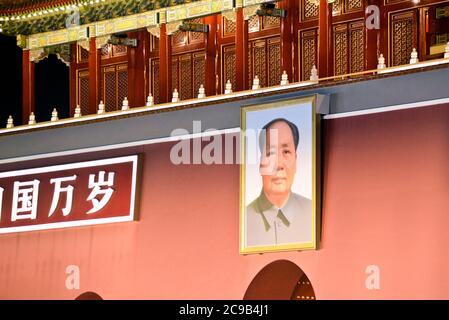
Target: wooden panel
(357, 46)
(309, 11)
(349, 44)
(340, 38)
(82, 92)
(353, 5)
(229, 66)
(82, 55)
(403, 36)
(340, 7)
(118, 51)
(154, 81)
(111, 51)
(174, 75)
(110, 91)
(179, 38)
(265, 61)
(122, 84)
(308, 51)
(106, 51)
(259, 61)
(114, 86)
(154, 43)
(394, 1)
(274, 62)
(337, 7)
(253, 24)
(199, 72)
(250, 75)
(229, 27)
(196, 37)
(270, 22)
(185, 77)
(188, 73)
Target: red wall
(385, 203)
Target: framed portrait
(279, 176)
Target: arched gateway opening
(280, 280)
(89, 296)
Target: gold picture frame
(308, 135)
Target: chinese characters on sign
(83, 193)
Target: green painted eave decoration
(87, 14)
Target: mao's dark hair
(292, 126)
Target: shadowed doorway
(280, 280)
(52, 88)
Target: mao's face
(278, 161)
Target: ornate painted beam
(131, 22)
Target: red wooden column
(94, 76)
(241, 52)
(165, 68)
(324, 43)
(28, 104)
(211, 54)
(294, 10)
(73, 71)
(372, 43)
(138, 69)
(287, 52)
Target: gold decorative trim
(84, 32)
(132, 22)
(247, 3)
(100, 42)
(84, 44)
(37, 55)
(155, 31)
(250, 11)
(230, 15)
(198, 9)
(21, 41)
(172, 27)
(57, 37)
(67, 63)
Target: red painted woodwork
(94, 76)
(287, 52)
(211, 55)
(138, 69)
(241, 40)
(114, 85)
(265, 61)
(324, 43)
(423, 21)
(28, 102)
(73, 80)
(294, 12)
(306, 37)
(372, 48)
(165, 66)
